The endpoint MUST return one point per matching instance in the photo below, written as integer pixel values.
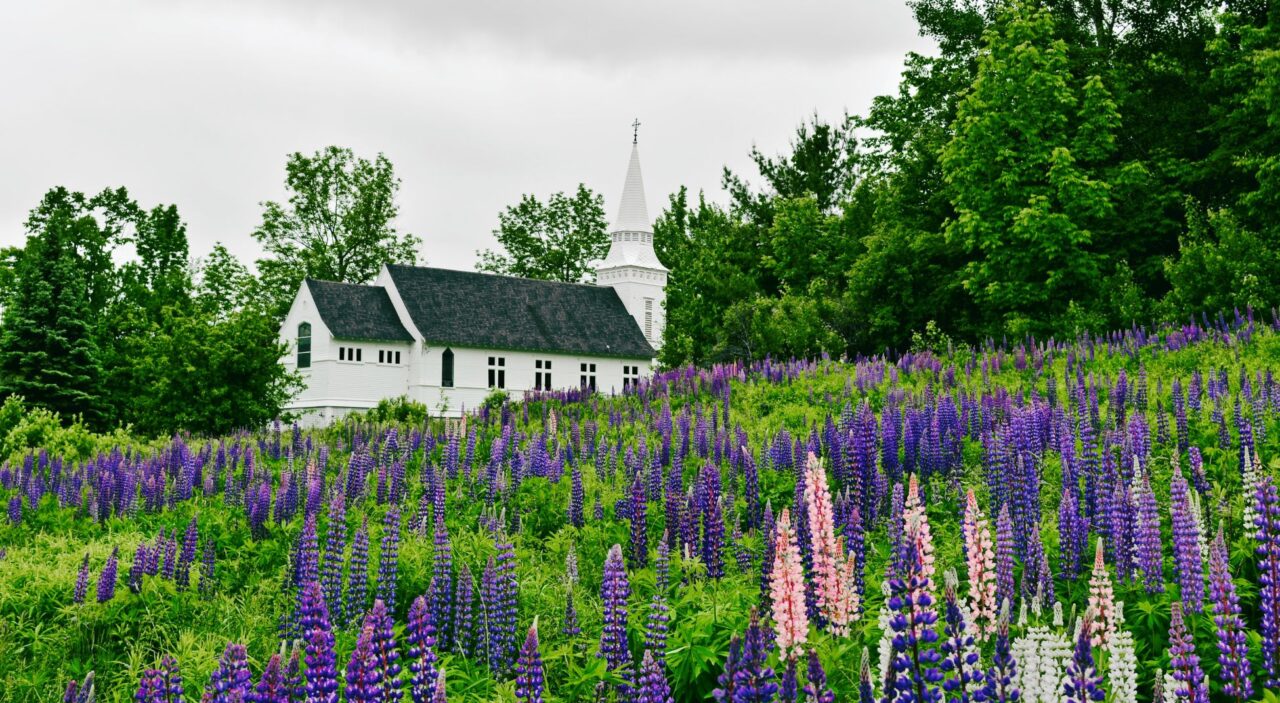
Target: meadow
(1084, 520)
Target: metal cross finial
(635, 131)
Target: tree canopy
(555, 241)
(337, 225)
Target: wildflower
(787, 591)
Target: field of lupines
(1037, 521)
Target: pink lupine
(787, 591)
(981, 560)
(1102, 603)
(834, 570)
(916, 526)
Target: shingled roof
(485, 311)
(358, 312)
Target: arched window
(304, 345)
(446, 369)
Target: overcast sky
(475, 101)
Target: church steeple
(632, 267)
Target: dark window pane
(548, 381)
(446, 368)
(359, 355)
(593, 368)
(537, 364)
(502, 361)
(584, 367)
(502, 379)
(491, 361)
(491, 378)
(304, 360)
(548, 364)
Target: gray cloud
(475, 104)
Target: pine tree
(47, 351)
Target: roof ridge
(500, 275)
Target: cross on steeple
(635, 131)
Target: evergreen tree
(47, 350)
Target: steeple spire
(633, 214)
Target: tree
(47, 350)
(1024, 200)
(225, 285)
(557, 241)
(336, 225)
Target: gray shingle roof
(485, 311)
(358, 312)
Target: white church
(448, 338)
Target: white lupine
(1170, 688)
(1198, 513)
(1042, 656)
(886, 638)
(1057, 614)
(1122, 668)
(1250, 489)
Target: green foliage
(400, 411)
(336, 225)
(496, 399)
(1222, 265)
(1024, 200)
(556, 241)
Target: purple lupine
(576, 497)
(914, 669)
(364, 677)
(150, 689)
(1083, 682)
(230, 682)
(271, 688)
(866, 693)
(389, 558)
(1233, 651)
(317, 633)
(614, 592)
(501, 613)
(15, 510)
(107, 580)
(464, 637)
(789, 684)
(1074, 534)
(753, 681)
(420, 635)
(306, 555)
(1267, 509)
(82, 581)
(171, 678)
(728, 679)
(639, 552)
(652, 687)
(655, 628)
(1004, 559)
(999, 687)
(208, 576)
(137, 568)
(294, 682)
(1186, 545)
(187, 556)
(441, 583)
(358, 574)
(1147, 541)
(816, 690)
(335, 546)
(1184, 661)
(384, 649)
(570, 628)
(529, 679)
(960, 656)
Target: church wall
(332, 387)
(633, 286)
(471, 375)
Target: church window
(630, 375)
(446, 369)
(304, 345)
(342, 353)
(542, 375)
(648, 318)
(397, 357)
(588, 376)
(497, 372)
(358, 351)
(382, 356)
